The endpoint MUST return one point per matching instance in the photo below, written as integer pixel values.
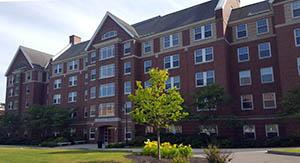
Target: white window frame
(58, 69)
(107, 71)
(238, 53)
(277, 129)
(92, 131)
(93, 72)
(275, 103)
(241, 75)
(298, 65)
(292, 8)
(127, 88)
(246, 28)
(127, 105)
(73, 65)
(205, 77)
(208, 129)
(148, 44)
(73, 81)
(295, 36)
(252, 126)
(202, 29)
(10, 105)
(172, 61)
(259, 50)
(103, 109)
(126, 46)
(109, 34)
(93, 92)
(267, 24)
(108, 49)
(171, 38)
(57, 84)
(57, 98)
(106, 88)
(262, 73)
(172, 81)
(93, 57)
(93, 111)
(203, 54)
(73, 96)
(125, 135)
(242, 106)
(126, 66)
(147, 63)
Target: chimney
(74, 39)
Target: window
(57, 69)
(72, 131)
(245, 78)
(28, 76)
(10, 105)
(11, 92)
(93, 92)
(243, 54)
(149, 130)
(210, 130)
(127, 87)
(298, 65)
(296, 9)
(147, 66)
(127, 48)
(73, 81)
(202, 32)
(171, 62)
(17, 91)
(107, 90)
(174, 129)
(93, 74)
(73, 65)
(107, 52)
(127, 107)
(205, 78)
(249, 132)
(106, 110)
(72, 97)
(247, 102)
(85, 112)
(57, 84)
(269, 100)
(93, 57)
(264, 50)
(173, 82)
(16, 105)
(203, 55)
(57, 99)
(147, 84)
(109, 35)
(107, 71)
(128, 135)
(147, 47)
(93, 111)
(297, 37)
(86, 61)
(262, 26)
(272, 130)
(86, 95)
(92, 134)
(171, 40)
(267, 75)
(127, 68)
(241, 31)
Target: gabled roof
(177, 19)
(73, 51)
(250, 10)
(34, 57)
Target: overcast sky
(46, 24)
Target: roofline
(62, 51)
(108, 14)
(220, 4)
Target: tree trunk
(158, 144)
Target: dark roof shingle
(73, 51)
(35, 57)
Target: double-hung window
(243, 54)
(245, 78)
(72, 97)
(147, 66)
(171, 40)
(247, 102)
(147, 47)
(107, 90)
(93, 57)
(202, 32)
(93, 74)
(204, 55)
(93, 111)
(210, 130)
(296, 9)
(262, 26)
(107, 71)
(241, 31)
(109, 34)
(57, 84)
(297, 37)
(93, 92)
(127, 107)
(92, 135)
(106, 110)
(73, 65)
(127, 48)
(173, 82)
(267, 75)
(127, 68)
(73, 81)
(298, 65)
(264, 50)
(57, 99)
(171, 62)
(272, 130)
(269, 100)
(107, 52)
(205, 78)
(249, 132)
(58, 69)
(127, 87)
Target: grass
(292, 150)
(33, 155)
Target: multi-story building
(251, 51)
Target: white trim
(295, 37)
(220, 5)
(246, 109)
(275, 103)
(298, 65)
(277, 128)
(108, 14)
(292, 10)
(270, 49)
(203, 52)
(261, 73)
(238, 54)
(268, 30)
(248, 132)
(241, 78)
(236, 31)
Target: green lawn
(30, 155)
(293, 150)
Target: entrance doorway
(108, 135)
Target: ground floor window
(272, 130)
(210, 130)
(149, 130)
(92, 133)
(174, 129)
(72, 131)
(128, 135)
(249, 132)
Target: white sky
(46, 24)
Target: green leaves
(291, 102)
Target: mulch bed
(148, 159)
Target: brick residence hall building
(251, 51)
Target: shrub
(52, 142)
(214, 155)
(168, 151)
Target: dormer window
(109, 35)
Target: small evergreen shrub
(214, 155)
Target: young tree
(155, 106)
(11, 122)
(291, 102)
